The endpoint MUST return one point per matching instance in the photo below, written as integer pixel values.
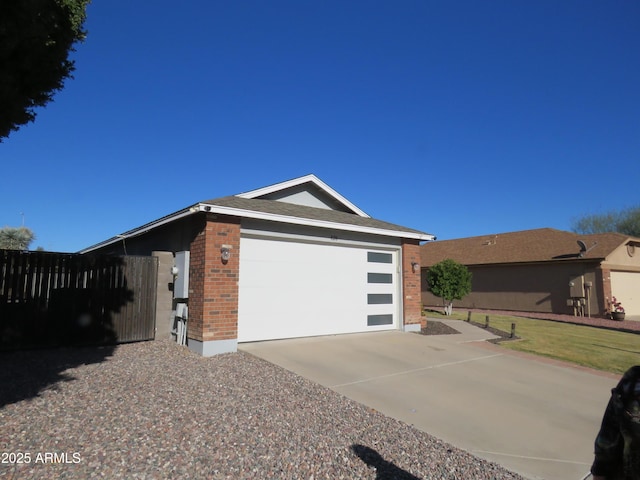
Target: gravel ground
(435, 327)
(155, 410)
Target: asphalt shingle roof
(306, 212)
(539, 245)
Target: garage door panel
(381, 290)
(625, 286)
(291, 289)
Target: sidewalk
(630, 324)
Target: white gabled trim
(299, 181)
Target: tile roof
(306, 212)
(539, 245)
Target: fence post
(469, 316)
(513, 330)
(486, 321)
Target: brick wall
(213, 284)
(412, 301)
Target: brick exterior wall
(412, 301)
(213, 292)
(213, 284)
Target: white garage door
(290, 289)
(625, 286)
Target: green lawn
(598, 348)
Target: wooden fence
(50, 299)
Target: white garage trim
(290, 288)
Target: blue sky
(459, 118)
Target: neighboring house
(544, 270)
(293, 259)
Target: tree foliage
(625, 221)
(449, 280)
(16, 238)
(36, 37)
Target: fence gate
(52, 299)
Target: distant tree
(36, 37)
(450, 281)
(625, 221)
(16, 238)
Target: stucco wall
(528, 288)
(625, 259)
(622, 278)
(164, 295)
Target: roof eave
(143, 229)
(273, 217)
(220, 210)
(537, 262)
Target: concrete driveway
(536, 417)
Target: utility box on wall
(181, 283)
(576, 286)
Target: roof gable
(308, 191)
(287, 202)
(539, 245)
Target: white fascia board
(237, 212)
(299, 181)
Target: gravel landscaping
(155, 410)
(435, 327)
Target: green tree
(36, 37)
(625, 221)
(450, 281)
(16, 238)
